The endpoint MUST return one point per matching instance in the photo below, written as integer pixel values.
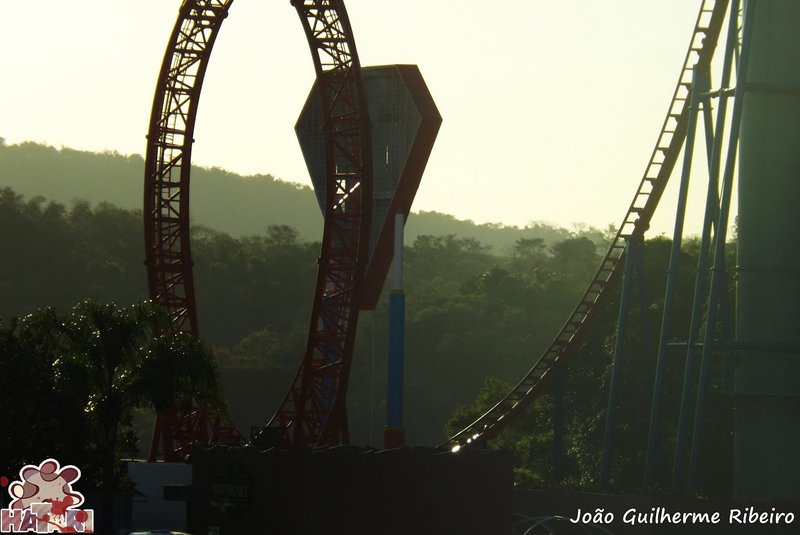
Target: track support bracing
(166, 208)
(314, 410)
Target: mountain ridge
(225, 201)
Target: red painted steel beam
(402, 140)
(166, 208)
(407, 184)
(314, 410)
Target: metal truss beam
(314, 410)
(166, 208)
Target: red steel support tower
(314, 409)
(166, 207)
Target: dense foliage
(583, 386)
(476, 321)
(77, 378)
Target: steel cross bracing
(636, 221)
(168, 162)
(166, 206)
(314, 410)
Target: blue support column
(699, 85)
(616, 369)
(394, 398)
(712, 210)
(717, 282)
(394, 435)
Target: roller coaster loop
(314, 409)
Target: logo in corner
(43, 501)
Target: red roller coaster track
(636, 221)
(314, 410)
(166, 207)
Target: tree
(126, 358)
(529, 441)
(527, 253)
(44, 416)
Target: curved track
(166, 208)
(169, 157)
(636, 221)
(314, 409)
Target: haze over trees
(226, 202)
(477, 314)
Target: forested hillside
(226, 202)
(220, 200)
(476, 320)
(470, 313)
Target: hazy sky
(550, 108)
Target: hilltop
(224, 201)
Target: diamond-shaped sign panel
(404, 122)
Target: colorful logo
(43, 501)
